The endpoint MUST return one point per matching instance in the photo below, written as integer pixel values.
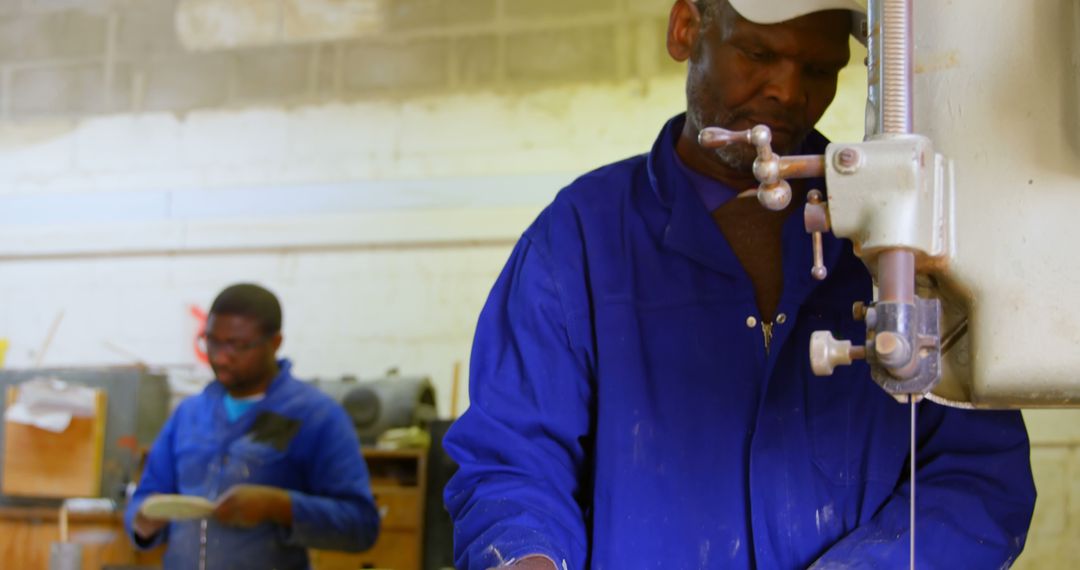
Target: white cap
(774, 11)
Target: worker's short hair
(250, 300)
(709, 9)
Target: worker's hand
(146, 527)
(532, 563)
(250, 505)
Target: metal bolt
(849, 157)
(891, 349)
(848, 160)
(887, 343)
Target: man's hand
(250, 505)
(146, 527)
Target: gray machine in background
(137, 407)
(378, 405)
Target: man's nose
(219, 356)
(786, 85)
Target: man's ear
(684, 26)
(275, 341)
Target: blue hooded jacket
(295, 438)
(626, 413)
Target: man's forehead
(231, 322)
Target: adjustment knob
(826, 353)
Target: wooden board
(399, 507)
(39, 463)
(398, 479)
(395, 550)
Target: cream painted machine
(962, 200)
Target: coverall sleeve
(158, 476)
(338, 511)
(521, 445)
(974, 498)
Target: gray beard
(739, 157)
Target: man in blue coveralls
(641, 387)
(280, 458)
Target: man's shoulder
(602, 183)
(307, 393)
(304, 398)
(194, 413)
(590, 199)
(202, 400)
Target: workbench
(398, 480)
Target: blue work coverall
(296, 438)
(626, 413)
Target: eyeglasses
(231, 347)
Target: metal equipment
(376, 406)
(960, 223)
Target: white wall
(381, 225)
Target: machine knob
(770, 169)
(816, 219)
(826, 353)
(775, 196)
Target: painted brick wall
(72, 59)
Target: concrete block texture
(474, 61)
(184, 82)
(650, 49)
(68, 90)
(42, 6)
(52, 36)
(205, 25)
(1060, 427)
(200, 54)
(148, 28)
(528, 9)
(1051, 468)
(321, 20)
(275, 74)
(375, 67)
(574, 54)
(420, 14)
(649, 7)
(1054, 538)
(225, 24)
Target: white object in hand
(176, 507)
